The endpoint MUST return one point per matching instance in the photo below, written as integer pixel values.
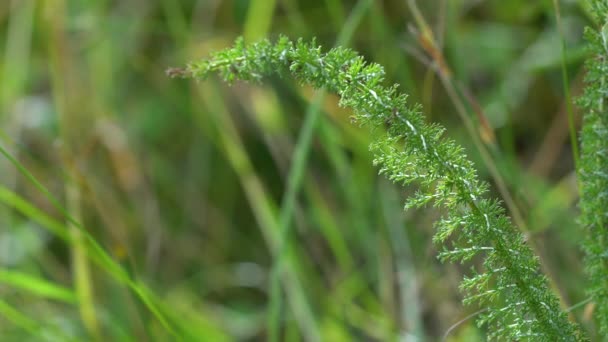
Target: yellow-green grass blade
(37, 286)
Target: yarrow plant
(593, 169)
(407, 149)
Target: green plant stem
(296, 175)
(65, 106)
(80, 266)
(259, 19)
(566, 86)
(294, 182)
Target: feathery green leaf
(407, 149)
(593, 169)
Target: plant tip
(177, 72)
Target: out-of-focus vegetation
(160, 206)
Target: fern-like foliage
(593, 168)
(407, 149)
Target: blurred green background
(254, 212)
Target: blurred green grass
(186, 186)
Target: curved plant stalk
(593, 168)
(520, 305)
